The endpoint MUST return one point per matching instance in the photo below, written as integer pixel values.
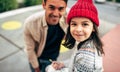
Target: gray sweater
(86, 59)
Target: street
(109, 12)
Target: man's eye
(52, 8)
(61, 8)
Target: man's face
(54, 9)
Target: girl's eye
(85, 24)
(73, 24)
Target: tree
(6, 5)
(32, 2)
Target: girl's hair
(70, 41)
(63, 0)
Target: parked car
(100, 1)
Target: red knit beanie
(84, 8)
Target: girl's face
(81, 28)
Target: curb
(22, 10)
(19, 11)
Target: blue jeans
(43, 64)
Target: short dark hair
(63, 0)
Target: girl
(82, 35)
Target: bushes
(115, 0)
(118, 1)
(32, 2)
(6, 5)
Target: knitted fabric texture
(84, 8)
(84, 60)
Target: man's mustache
(53, 16)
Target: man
(43, 34)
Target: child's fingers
(61, 65)
(55, 65)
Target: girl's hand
(57, 65)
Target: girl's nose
(79, 28)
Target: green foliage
(115, 0)
(32, 2)
(109, 0)
(118, 1)
(6, 5)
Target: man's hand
(37, 69)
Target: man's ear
(43, 4)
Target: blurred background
(6, 5)
(13, 14)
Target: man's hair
(63, 0)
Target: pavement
(12, 55)
(111, 59)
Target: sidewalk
(117, 5)
(112, 50)
(12, 55)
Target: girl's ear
(93, 30)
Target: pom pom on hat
(84, 8)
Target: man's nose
(56, 12)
